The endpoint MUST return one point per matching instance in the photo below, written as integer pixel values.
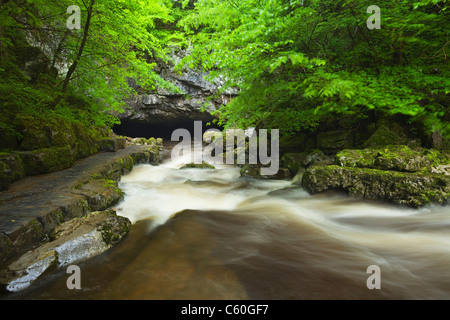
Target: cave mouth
(140, 129)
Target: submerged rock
(254, 171)
(73, 242)
(100, 194)
(408, 189)
(11, 169)
(202, 165)
(297, 163)
(332, 141)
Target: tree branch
(74, 65)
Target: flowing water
(210, 234)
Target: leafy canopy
(298, 62)
(123, 40)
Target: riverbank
(201, 233)
(33, 207)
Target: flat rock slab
(73, 242)
(33, 206)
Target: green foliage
(299, 62)
(124, 39)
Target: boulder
(386, 134)
(251, 171)
(412, 178)
(293, 161)
(315, 157)
(295, 143)
(11, 169)
(333, 141)
(100, 194)
(112, 144)
(441, 141)
(254, 171)
(73, 242)
(404, 188)
(202, 165)
(194, 99)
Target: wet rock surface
(162, 106)
(412, 178)
(72, 242)
(34, 206)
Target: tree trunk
(74, 65)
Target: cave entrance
(140, 129)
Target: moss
(77, 186)
(386, 134)
(36, 226)
(11, 169)
(405, 188)
(203, 165)
(32, 130)
(47, 160)
(112, 233)
(395, 157)
(113, 185)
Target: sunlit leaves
(299, 61)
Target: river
(211, 234)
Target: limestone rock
(73, 242)
(397, 173)
(293, 161)
(398, 158)
(386, 134)
(100, 194)
(295, 143)
(11, 169)
(202, 165)
(404, 188)
(46, 160)
(251, 171)
(162, 106)
(333, 141)
(112, 144)
(254, 171)
(298, 161)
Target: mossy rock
(33, 132)
(8, 140)
(386, 134)
(6, 248)
(251, 171)
(47, 160)
(296, 143)
(202, 165)
(293, 161)
(404, 188)
(60, 132)
(254, 171)
(100, 194)
(394, 157)
(11, 169)
(333, 141)
(111, 144)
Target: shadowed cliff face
(164, 108)
(136, 128)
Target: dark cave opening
(138, 129)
